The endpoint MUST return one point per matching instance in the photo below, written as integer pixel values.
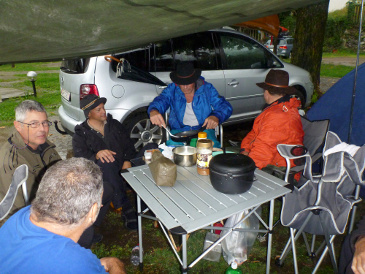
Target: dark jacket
(86, 142)
(14, 153)
(348, 248)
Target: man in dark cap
(105, 141)
(279, 122)
(193, 103)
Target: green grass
(31, 66)
(47, 87)
(343, 53)
(330, 70)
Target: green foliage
(337, 23)
(288, 20)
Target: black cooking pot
(231, 173)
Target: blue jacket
(206, 102)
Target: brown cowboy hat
(90, 102)
(277, 82)
(185, 74)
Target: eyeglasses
(37, 124)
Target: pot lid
(233, 163)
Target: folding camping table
(193, 204)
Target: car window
(78, 65)
(242, 53)
(198, 48)
(164, 60)
(289, 41)
(139, 58)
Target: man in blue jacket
(193, 103)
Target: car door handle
(162, 87)
(233, 83)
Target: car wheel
(142, 131)
(299, 94)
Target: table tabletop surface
(192, 203)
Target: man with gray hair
(42, 238)
(27, 145)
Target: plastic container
(233, 269)
(135, 255)
(215, 254)
(204, 150)
(193, 142)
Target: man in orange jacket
(279, 122)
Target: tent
(336, 105)
(45, 30)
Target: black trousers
(87, 237)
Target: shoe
(97, 238)
(129, 218)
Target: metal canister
(204, 150)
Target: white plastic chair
(19, 178)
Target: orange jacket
(279, 123)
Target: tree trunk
(308, 40)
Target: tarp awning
(270, 24)
(42, 30)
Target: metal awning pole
(357, 64)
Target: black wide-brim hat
(277, 82)
(90, 102)
(185, 74)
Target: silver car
(284, 47)
(232, 61)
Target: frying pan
(186, 136)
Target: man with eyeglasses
(27, 145)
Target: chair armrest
(285, 151)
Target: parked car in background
(284, 47)
(232, 61)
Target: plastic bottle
(233, 269)
(204, 150)
(135, 255)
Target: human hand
(105, 155)
(244, 152)
(126, 164)
(211, 122)
(113, 265)
(358, 262)
(157, 119)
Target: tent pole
(357, 64)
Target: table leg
(139, 218)
(269, 238)
(184, 254)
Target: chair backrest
(19, 178)
(314, 134)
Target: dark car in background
(232, 61)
